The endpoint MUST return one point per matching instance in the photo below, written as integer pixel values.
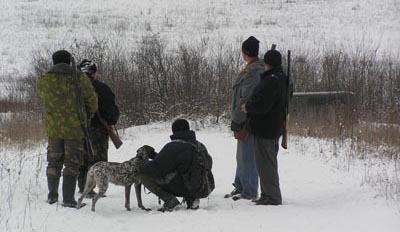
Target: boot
(268, 202)
(234, 192)
(169, 204)
(264, 200)
(82, 178)
(263, 197)
(192, 203)
(52, 184)
(69, 186)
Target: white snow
(320, 193)
(323, 185)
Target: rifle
(81, 114)
(110, 131)
(286, 126)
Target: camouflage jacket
(57, 89)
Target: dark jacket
(107, 107)
(174, 158)
(266, 107)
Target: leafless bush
(375, 84)
(154, 82)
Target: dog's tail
(90, 181)
(89, 185)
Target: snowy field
(324, 186)
(320, 193)
(301, 25)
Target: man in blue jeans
(246, 177)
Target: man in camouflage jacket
(57, 89)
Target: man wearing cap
(164, 175)
(246, 176)
(57, 89)
(266, 112)
(107, 110)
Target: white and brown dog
(123, 174)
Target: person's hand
(244, 110)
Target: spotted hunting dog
(123, 174)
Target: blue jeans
(246, 178)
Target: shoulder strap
(184, 141)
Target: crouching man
(181, 169)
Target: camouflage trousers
(63, 152)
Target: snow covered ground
(320, 193)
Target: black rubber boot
(52, 184)
(82, 178)
(69, 186)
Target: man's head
(250, 47)
(272, 59)
(88, 67)
(61, 56)
(180, 125)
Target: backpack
(199, 180)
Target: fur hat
(61, 56)
(273, 58)
(250, 46)
(180, 125)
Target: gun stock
(285, 135)
(110, 131)
(114, 137)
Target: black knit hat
(61, 56)
(250, 46)
(180, 125)
(273, 58)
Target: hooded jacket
(172, 162)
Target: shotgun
(82, 117)
(284, 142)
(110, 131)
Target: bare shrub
(155, 82)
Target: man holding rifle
(58, 89)
(266, 111)
(101, 125)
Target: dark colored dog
(124, 174)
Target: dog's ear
(152, 153)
